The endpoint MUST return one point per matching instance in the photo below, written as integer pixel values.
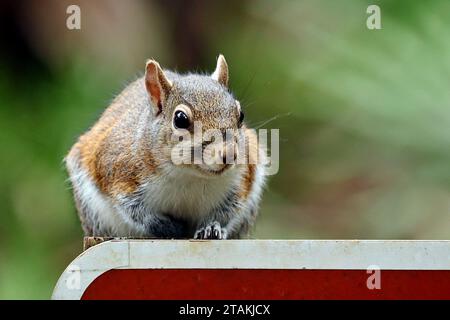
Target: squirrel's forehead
(203, 93)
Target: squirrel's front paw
(211, 231)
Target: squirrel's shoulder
(109, 145)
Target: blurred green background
(364, 115)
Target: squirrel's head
(197, 118)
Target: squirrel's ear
(221, 72)
(157, 84)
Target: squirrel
(124, 180)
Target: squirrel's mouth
(214, 171)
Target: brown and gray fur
(125, 183)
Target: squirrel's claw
(211, 231)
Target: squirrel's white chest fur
(184, 194)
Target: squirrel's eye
(181, 120)
(241, 117)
